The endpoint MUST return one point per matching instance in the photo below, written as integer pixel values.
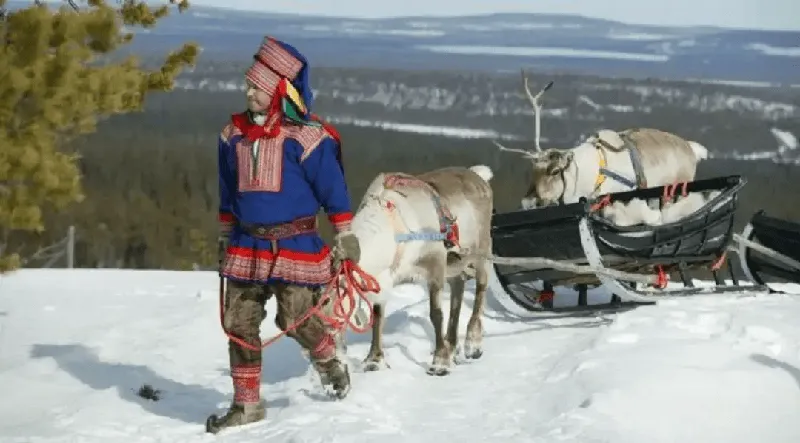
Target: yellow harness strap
(601, 178)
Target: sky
(757, 14)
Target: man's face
(257, 100)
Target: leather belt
(304, 225)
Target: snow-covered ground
(76, 345)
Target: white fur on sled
(639, 211)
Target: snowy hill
(76, 345)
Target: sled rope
(541, 263)
(720, 261)
(603, 202)
(356, 283)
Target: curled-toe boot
(247, 406)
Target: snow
(360, 30)
(784, 154)
(523, 51)
(444, 131)
(778, 51)
(75, 345)
(786, 140)
(638, 36)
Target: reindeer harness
(448, 228)
(606, 139)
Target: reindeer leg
(442, 352)
(473, 344)
(456, 299)
(374, 359)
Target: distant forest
(151, 185)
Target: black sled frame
(572, 245)
(769, 248)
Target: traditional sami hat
(282, 71)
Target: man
(277, 166)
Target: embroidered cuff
(341, 222)
(246, 383)
(225, 223)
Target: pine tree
(57, 78)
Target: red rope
(670, 190)
(603, 202)
(684, 185)
(662, 279)
(719, 261)
(356, 281)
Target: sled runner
(769, 249)
(575, 244)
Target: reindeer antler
(524, 152)
(537, 107)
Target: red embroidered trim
(263, 78)
(225, 223)
(300, 267)
(329, 128)
(274, 56)
(268, 173)
(342, 221)
(246, 383)
(340, 217)
(309, 137)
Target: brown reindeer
(432, 227)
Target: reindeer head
(547, 186)
(547, 183)
(548, 166)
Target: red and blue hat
(281, 71)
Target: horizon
(743, 15)
(747, 14)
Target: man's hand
(345, 247)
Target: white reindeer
(608, 161)
(399, 226)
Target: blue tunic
(282, 179)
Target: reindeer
(608, 161)
(432, 227)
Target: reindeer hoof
(374, 365)
(472, 353)
(438, 370)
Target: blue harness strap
(617, 177)
(447, 227)
(419, 236)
